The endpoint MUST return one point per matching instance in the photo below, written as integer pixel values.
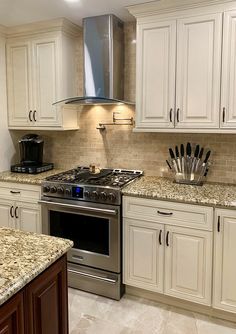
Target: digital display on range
(77, 192)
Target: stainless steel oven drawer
(96, 281)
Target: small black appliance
(31, 155)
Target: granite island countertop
(35, 179)
(23, 256)
(211, 194)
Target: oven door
(94, 228)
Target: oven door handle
(100, 278)
(82, 208)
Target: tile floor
(91, 314)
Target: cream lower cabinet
(163, 257)
(19, 208)
(224, 291)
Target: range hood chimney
(103, 62)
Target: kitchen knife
(204, 165)
(168, 164)
(188, 162)
(182, 159)
(199, 160)
(173, 160)
(178, 159)
(194, 160)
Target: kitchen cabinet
(165, 250)
(41, 70)
(11, 316)
(19, 207)
(178, 78)
(224, 273)
(41, 307)
(228, 88)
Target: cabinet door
(156, 49)
(48, 292)
(7, 213)
(143, 254)
(46, 81)
(11, 316)
(198, 71)
(19, 84)
(224, 292)
(188, 264)
(28, 217)
(228, 85)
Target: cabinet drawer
(186, 215)
(18, 191)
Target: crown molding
(168, 6)
(59, 24)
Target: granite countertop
(24, 256)
(36, 179)
(212, 194)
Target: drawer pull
(167, 239)
(14, 192)
(160, 234)
(164, 213)
(30, 118)
(11, 211)
(34, 117)
(16, 212)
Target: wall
(7, 150)
(121, 147)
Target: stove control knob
(46, 189)
(68, 191)
(94, 195)
(112, 197)
(87, 194)
(53, 190)
(103, 195)
(60, 190)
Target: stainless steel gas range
(85, 207)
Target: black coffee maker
(31, 155)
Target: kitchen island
(33, 283)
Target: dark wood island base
(41, 307)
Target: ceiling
(14, 12)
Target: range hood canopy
(103, 62)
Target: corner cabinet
(19, 207)
(168, 248)
(185, 67)
(41, 69)
(224, 290)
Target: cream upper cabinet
(178, 72)
(41, 69)
(198, 71)
(156, 50)
(224, 291)
(188, 264)
(228, 88)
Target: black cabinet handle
(160, 234)
(34, 115)
(218, 224)
(171, 115)
(167, 239)
(30, 114)
(223, 116)
(14, 192)
(11, 211)
(164, 213)
(177, 115)
(16, 212)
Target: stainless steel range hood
(103, 62)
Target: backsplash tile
(119, 146)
